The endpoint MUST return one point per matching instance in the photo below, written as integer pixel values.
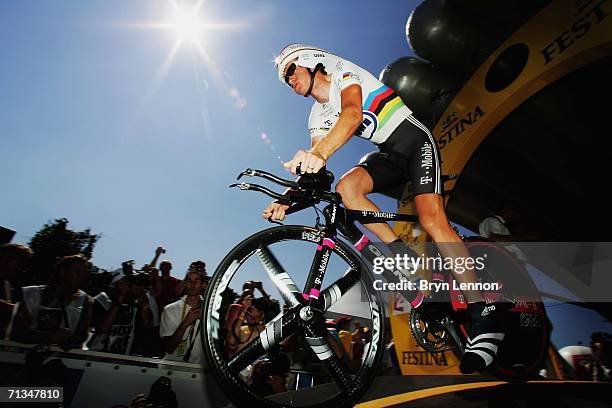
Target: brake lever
(268, 176)
(261, 189)
(247, 172)
(241, 186)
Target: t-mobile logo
(426, 156)
(426, 180)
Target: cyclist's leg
(424, 169)
(432, 217)
(376, 172)
(373, 173)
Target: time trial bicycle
(296, 358)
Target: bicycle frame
(309, 190)
(338, 218)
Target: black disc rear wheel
(525, 346)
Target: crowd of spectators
(149, 313)
(144, 312)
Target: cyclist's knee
(352, 186)
(346, 189)
(433, 222)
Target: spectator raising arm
(160, 250)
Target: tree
(53, 241)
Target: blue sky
(99, 125)
(92, 131)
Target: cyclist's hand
(308, 161)
(275, 211)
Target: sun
(187, 25)
(190, 26)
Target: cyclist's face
(299, 78)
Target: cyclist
(351, 101)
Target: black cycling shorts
(410, 153)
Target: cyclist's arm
(314, 141)
(349, 120)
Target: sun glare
(187, 25)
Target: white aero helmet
(307, 57)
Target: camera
(135, 276)
(128, 267)
(161, 394)
(140, 278)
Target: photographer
(180, 322)
(198, 266)
(244, 322)
(125, 322)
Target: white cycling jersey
(383, 110)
